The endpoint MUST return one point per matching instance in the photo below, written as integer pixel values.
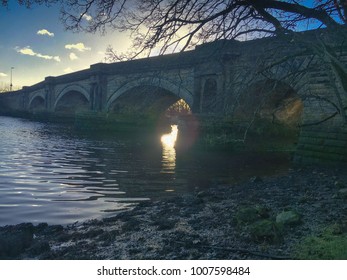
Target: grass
(331, 244)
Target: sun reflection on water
(169, 140)
(169, 152)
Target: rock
(94, 233)
(340, 185)
(41, 227)
(256, 179)
(288, 218)
(337, 229)
(247, 215)
(342, 193)
(15, 239)
(39, 248)
(131, 225)
(263, 212)
(202, 194)
(265, 230)
(164, 223)
(49, 230)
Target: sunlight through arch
(169, 152)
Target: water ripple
(49, 173)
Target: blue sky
(34, 42)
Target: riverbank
(282, 217)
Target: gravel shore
(241, 221)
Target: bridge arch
(151, 83)
(37, 102)
(273, 100)
(72, 98)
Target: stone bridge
(226, 78)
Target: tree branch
(296, 8)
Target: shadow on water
(50, 173)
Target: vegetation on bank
(330, 244)
(261, 135)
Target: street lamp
(11, 79)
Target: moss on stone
(288, 218)
(266, 230)
(247, 215)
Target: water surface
(50, 173)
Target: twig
(322, 121)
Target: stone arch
(37, 102)
(178, 91)
(273, 100)
(72, 98)
(315, 91)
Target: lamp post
(11, 79)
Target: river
(52, 173)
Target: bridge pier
(98, 84)
(209, 90)
(49, 94)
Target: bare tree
(4, 87)
(169, 25)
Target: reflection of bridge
(214, 78)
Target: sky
(35, 43)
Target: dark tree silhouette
(169, 25)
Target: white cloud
(48, 57)
(79, 46)
(68, 70)
(87, 17)
(45, 32)
(28, 51)
(3, 75)
(73, 56)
